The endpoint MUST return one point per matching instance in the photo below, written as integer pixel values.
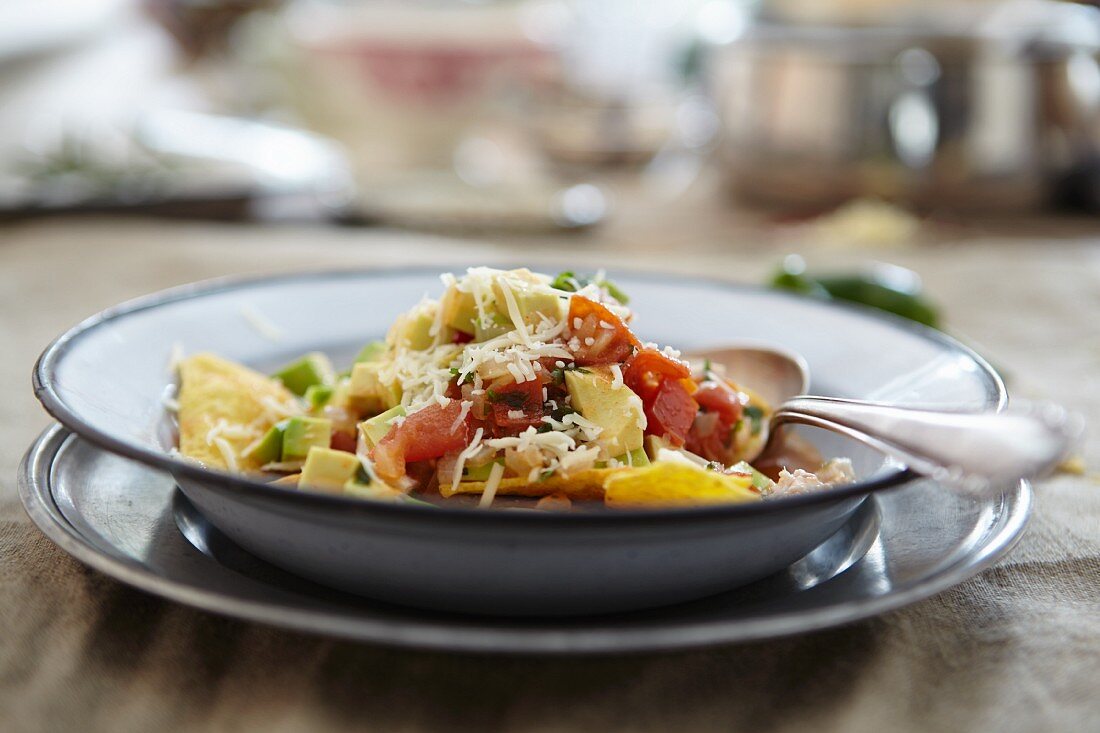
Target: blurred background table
(1017, 648)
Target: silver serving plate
(130, 522)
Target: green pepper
(869, 288)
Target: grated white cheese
(224, 428)
(463, 455)
(276, 410)
(463, 412)
(669, 455)
(616, 376)
(176, 355)
(515, 314)
(496, 473)
(226, 450)
(424, 377)
(261, 323)
(283, 466)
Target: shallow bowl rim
(47, 393)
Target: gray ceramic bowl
(105, 378)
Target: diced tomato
(671, 411)
(714, 397)
(427, 433)
(611, 341)
(645, 371)
(712, 434)
(461, 337)
(665, 387)
(343, 440)
(525, 397)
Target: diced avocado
(318, 395)
(497, 325)
(354, 487)
(303, 433)
(461, 315)
(759, 480)
(328, 470)
(269, 448)
(461, 308)
(529, 301)
(371, 352)
(313, 368)
(616, 409)
(378, 491)
(414, 330)
(361, 482)
(375, 428)
(635, 458)
(460, 311)
(368, 389)
(654, 444)
(479, 473)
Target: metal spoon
(969, 449)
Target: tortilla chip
(213, 390)
(581, 485)
(676, 485)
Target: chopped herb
(706, 366)
(571, 282)
(546, 474)
(615, 292)
(560, 413)
(462, 378)
(545, 427)
(515, 400)
(567, 281)
(558, 374)
(757, 416)
(362, 476)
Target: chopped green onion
(756, 415)
(571, 282)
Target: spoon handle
(971, 449)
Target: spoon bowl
(774, 373)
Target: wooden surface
(1018, 648)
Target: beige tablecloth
(1017, 648)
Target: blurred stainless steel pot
(994, 110)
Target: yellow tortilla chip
(666, 484)
(581, 485)
(221, 402)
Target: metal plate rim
(37, 499)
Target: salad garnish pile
(511, 384)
